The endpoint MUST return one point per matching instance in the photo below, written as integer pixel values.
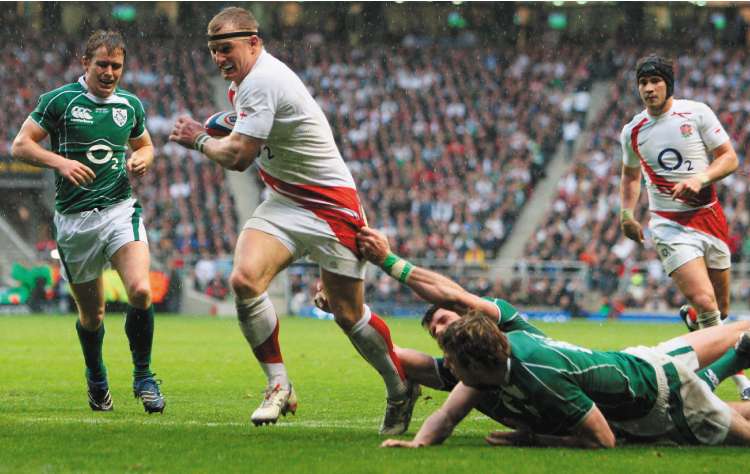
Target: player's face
(441, 320)
(103, 71)
(653, 92)
(476, 377)
(235, 57)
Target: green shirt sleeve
(48, 112)
(511, 319)
(140, 119)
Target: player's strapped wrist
(200, 141)
(397, 267)
(626, 215)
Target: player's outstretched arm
(439, 426)
(143, 154)
(26, 147)
(593, 433)
(430, 286)
(235, 152)
(630, 190)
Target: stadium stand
(446, 140)
(445, 146)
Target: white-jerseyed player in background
(313, 210)
(670, 142)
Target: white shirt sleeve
(710, 128)
(629, 157)
(256, 105)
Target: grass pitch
(212, 384)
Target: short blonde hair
(111, 40)
(238, 17)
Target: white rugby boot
(277, 401)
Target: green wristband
(405, 272)
(397, 267)
(389, 261)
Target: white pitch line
(289, 423)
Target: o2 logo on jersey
(100, 154)
(670, 155)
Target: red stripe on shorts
(709, 220)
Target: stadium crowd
(446, 146)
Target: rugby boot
(147, 390)
(277, 400)
(99, 397)
(398, 412)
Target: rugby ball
(220, 124)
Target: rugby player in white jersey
(670, 142)
(313, 210)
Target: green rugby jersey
(94, 131)
(552, 385)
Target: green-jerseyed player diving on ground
(97, 222)
(557, 394)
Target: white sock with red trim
(260, 326)
(372, 339)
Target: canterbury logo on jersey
(81, 113)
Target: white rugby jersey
(300, 159)
(672, 147)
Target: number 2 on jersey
(267, 150)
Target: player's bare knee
(246, 286)
(139, 294)
(91, 320)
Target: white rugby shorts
(304, 233)
(686, 410)
(678, 244)
(87, 240)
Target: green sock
(725, 366)
(139, 327)
(91, 344)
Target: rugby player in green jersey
(97, 222)
(558, 394)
